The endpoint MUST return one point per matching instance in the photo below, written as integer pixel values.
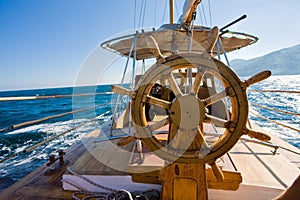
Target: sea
(15, 141)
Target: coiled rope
(91, 182)
(111, 193)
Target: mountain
(282, 62)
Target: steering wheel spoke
(218, 121)
(215, 98)
(158, 102)
(189, 140)
(173, 85)
(157, 125)
(197, 82)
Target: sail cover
(172, 38)
(188, 4)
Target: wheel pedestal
(184, 181)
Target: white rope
(110, 194)
(91, 182)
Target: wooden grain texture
(184, 181)
(260, 167)
(105, 157)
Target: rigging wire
(201, 19)
(134, 17)
(155, 11)
(164, 13)
(145, 7)
(223, 50)
(37, 97)
(210, 18)
(122, 82)
(204, 16)
(269, 144)
(283, 91)
(177, 10)
(275, 122)
(141, 12)
(277, 110)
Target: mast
(171, 11)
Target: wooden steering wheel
(186, 113)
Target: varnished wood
(212, 39)
(120, 90)
(184, 107)
(184, 181)
(258, 135)
(258, 77)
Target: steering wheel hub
(187, 112)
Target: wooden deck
(264, 175)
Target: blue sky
(44, 43)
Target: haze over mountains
(282, 62)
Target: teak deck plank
(260, 167)
(105, 157)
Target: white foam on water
(55, 127)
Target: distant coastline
(282, 62)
